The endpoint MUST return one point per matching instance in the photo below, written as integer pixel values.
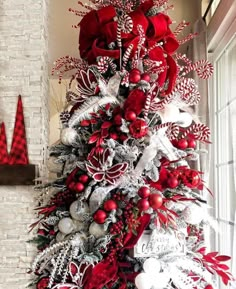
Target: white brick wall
(23, 70)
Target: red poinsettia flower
(101, 168)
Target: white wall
(23, 70)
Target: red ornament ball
(155, 201)
(144, 192)
(135, 75)
(143, 205)
(138, 128)
(174, 142)
(114, 135)
(43, 283)
(100, 217)
(135, 70)
(182, 144)
(209, 286)
(118, 119)
(146, 77)
(79, 187)
(192, 144)
(130, 115)
(84, 179)
(191, 178)
(172, 182)
(110, 205)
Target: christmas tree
(127, 210)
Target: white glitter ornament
(66, 226)
(193, 214)
(68, 136)
(143, 281)
(79, 210)
(160, 280)
(152, 266)
(97, 230)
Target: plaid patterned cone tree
(19, 152)
(4, 158)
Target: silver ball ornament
(97, 230)
(66, 226)
(60, 237)
(79, 210)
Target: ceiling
(63, 39)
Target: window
(223, 123)
(214, 6)
(224, 146)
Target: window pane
(225, 147)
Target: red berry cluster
(135, 76)
(115, 246)
(119, 196)
(148, 200)
(63, 198)
(116, 228)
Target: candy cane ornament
(127, 55)
(186, 91)
(172, 131)
(104, 63)
(125, 24)
(199, 131)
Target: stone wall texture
(23, 70)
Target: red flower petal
(93, 138)
(104, 132)
(105, 156)
(99, 176)
(91, 169)
(106, 124)
(223, 258)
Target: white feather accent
(93, 104)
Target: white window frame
(221, 30)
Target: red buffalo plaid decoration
(4, 158)
(19, 153)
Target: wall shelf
(18, 175)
